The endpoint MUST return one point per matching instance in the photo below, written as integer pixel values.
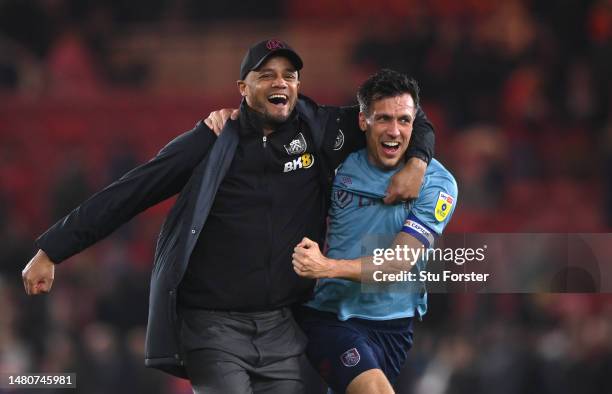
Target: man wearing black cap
(222, 280)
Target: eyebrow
(386, 115)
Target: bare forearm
(346, 269)
(362, 269)
(309, 262)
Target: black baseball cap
(260, 52)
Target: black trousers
(240, 353)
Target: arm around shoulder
(406, 184)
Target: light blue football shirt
(360, 223)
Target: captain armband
(418, 230)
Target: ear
(242, 87)
(363, 124)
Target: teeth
(278, 99)
(391, 144)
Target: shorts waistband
(393, 324)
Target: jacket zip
(268, 222)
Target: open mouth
(278, 99)
(390, 147)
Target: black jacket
(194, 164)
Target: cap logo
(274, 44)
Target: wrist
(41, 255)
(333, 270)
(417, 162)
(418, 155)
(346, 269)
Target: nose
(394, 129)
(279, 82)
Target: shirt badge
(297, 146)
(350, 358)
(339, 142)
(443, 206)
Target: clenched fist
(309, 262)
(38, 274)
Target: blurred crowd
(519, 92)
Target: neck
(258, 120)
(378, 165)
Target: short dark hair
(384, 84)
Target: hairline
(383, 96)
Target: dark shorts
(341, 350)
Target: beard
(273, 121)
(269, 120)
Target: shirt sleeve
(139, 189)
(432, 211)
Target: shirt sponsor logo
(366, 201)
(342, 198)
(443, 206)
(350, 358)
(339, 143)
(297, 146)
(304, 161)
